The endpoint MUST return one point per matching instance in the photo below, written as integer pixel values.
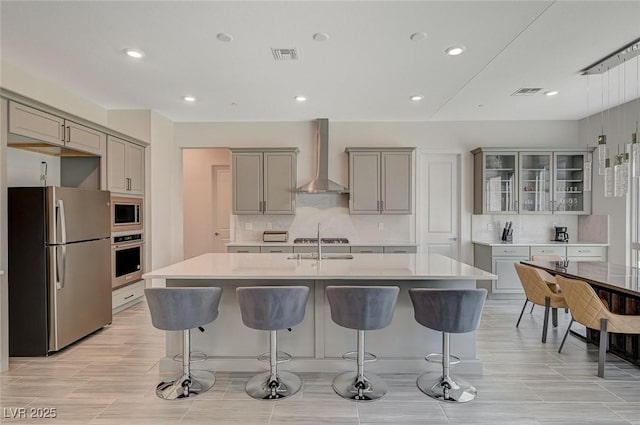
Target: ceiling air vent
(285, 54)
(526, 91)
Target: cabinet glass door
(569, 195)
(500, 182)
(535, 183)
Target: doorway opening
(206, 183)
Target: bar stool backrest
(448, 310)
(363, 308)
(179, 309)
(272, 308)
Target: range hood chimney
(321, 182)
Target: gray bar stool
(363, 308)
(448, 311)
(182, 309)
(273, 308)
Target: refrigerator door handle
(63, 241)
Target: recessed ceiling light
(223, 36)
(454, 50)
(189, 99)
(133, 53)
(416, 97)
(300, 98)
(321, 36)
(551, 93)
(418, 36)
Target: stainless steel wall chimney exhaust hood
(321, 182)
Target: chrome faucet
(319, 244)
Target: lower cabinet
(275, 249)
(325, 249)
(253, 249)
(126, 296)
(400, 249)
(367, 249)
(500, 261)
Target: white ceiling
(366, 71)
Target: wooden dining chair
(537, 292)
(589, 310)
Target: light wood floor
(109, 378)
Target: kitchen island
(317, 344)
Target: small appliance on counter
(561, 234)
(275, 236)
(507, 232)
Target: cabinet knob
(217, 234)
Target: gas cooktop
(322, 240)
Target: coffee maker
(561, 234)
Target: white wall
(24, 168)
(197, 193)
(441, 137)
(22, 82)
(619, 124)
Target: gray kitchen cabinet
(400, 249)
(532, 181)
(326, 249)
(380, 180)
(34, 124)
(252, 249)
(125, 166)
(367, 249)
(500, 261)
(276, 249)
(264, 180)
(587, 253)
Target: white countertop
(539, 243)
(259, 243)
(362, 266)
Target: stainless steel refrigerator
(59, 267)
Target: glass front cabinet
(535, 182)
(569, 196)
(499, 183)
(530, 182)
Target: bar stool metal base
(451, 388)
(262, 388)
(186, 385)
(346, 386)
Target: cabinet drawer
(244, 249)
(587, 251)
(367, 249)
(276, 249)
(325, 249)
(127, 294)
(510, 251)
(400, 249)
(549, 250)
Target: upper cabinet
(38, 125)
(529, 182)
(264, 180)
(380, 180)
(125, 165)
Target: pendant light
(634, 147)
(621, 175)
(608, 179)
(603, 150)
(588, 158)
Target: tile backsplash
(332, 212)
(540, 228)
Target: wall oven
(126, 214)
(126, 259)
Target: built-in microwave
(126, 214)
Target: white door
(221, 207)
(438, 194)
